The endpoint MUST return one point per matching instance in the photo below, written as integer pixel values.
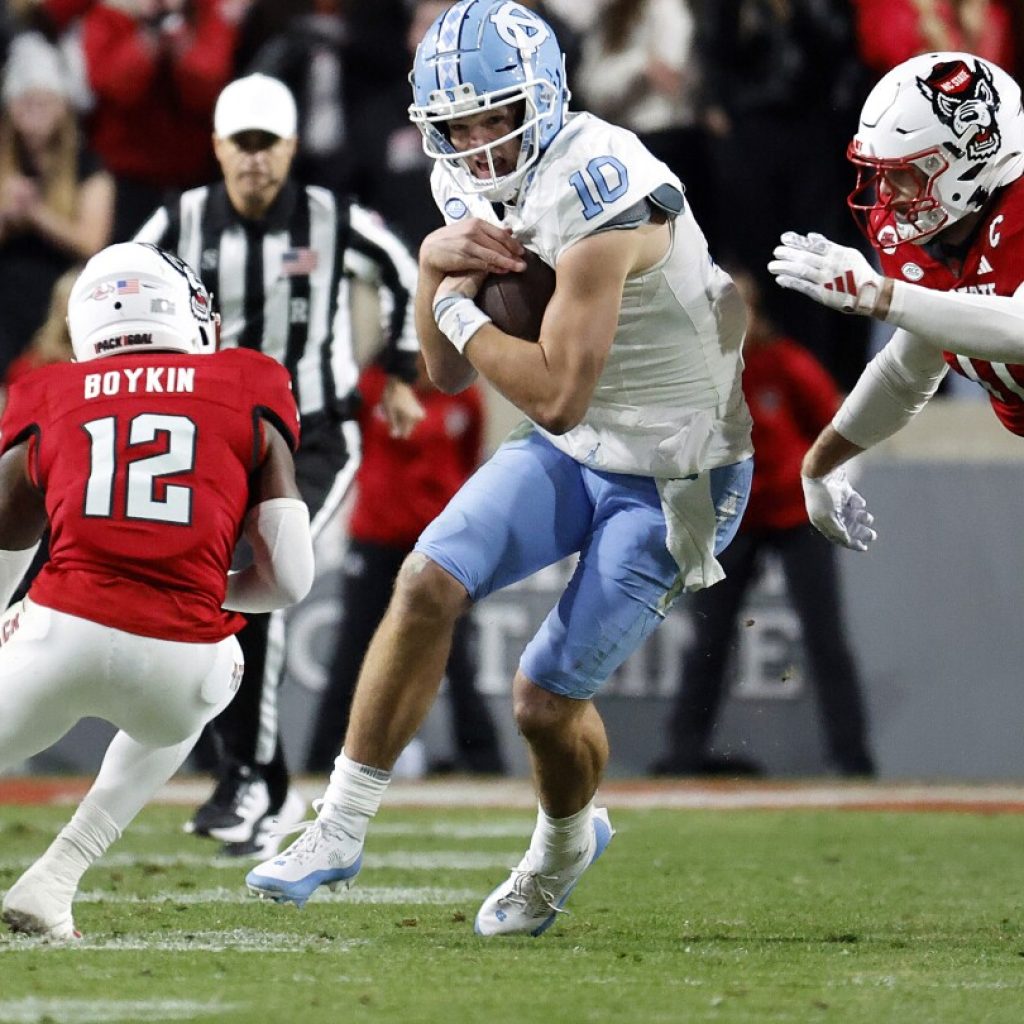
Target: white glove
(838, 511)
(834, 275)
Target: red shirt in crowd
(144, 461)
(402, 485)
(155, 95)
(791, 398)
(890, 32)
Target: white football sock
(558, 841)
(80, 843)
(353, 795)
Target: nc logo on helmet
(966, 102)
(520, 28)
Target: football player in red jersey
(149, 458)
(940, 193)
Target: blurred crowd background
(107, 109)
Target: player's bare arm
(828, 452)
(471, 245)
(22, 506)
(275, 477)
(553, 380)
(465, 247)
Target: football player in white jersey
(940, 194)
(635, 453)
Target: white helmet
(134, 296)
(949, 129)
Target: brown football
(516, 302)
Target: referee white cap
(255, 103)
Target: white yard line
(385, 895)
(35, 1010)
(461, 860)
(236, 940)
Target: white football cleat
(323, 855)
(40, 904)
(530, 900)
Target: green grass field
(857, 917)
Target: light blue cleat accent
(322, 855)
(530, 900)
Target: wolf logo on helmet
(937, 136)
(965, 101)
(199, 298)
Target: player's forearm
(979, 326)
(552, 390)
(891, 391)
(449, 371)
(830, 450)
(282, 569)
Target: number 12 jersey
(144, 462)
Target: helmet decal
(966, 102)
(448, 32)
(133, 295)
(199, 297)
(520, 27)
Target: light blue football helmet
(482, 54)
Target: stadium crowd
(733, 95)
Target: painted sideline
(630, 794)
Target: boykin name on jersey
(151, 379)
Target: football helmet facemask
(479, 56)
(938, 135)
(133, 296)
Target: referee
(280, 259)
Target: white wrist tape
(13, 566)
(458, 319)
(282, 569)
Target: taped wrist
(458, 319)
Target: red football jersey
(403, 484)
(144, 461)
(994, 265)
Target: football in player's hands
(516, 302)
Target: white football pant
(56, 669)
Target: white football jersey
(669, 402)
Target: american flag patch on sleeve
(298, 262)
(128, 286)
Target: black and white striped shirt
(283, 284)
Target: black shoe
(237, 803)
(268, 834)
(723, 766)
